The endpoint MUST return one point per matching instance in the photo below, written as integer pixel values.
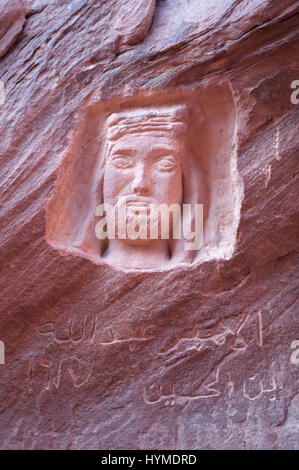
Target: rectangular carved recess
(210, 142)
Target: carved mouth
(139, 201)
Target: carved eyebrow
(163, 148)
(154, 148)
(122, 150)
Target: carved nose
(141, 182)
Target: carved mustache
(137, 201)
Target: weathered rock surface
(12, 20)
(200, 356)
(134, 20)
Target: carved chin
(139, 229)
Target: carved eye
(166, 163)
(121, 161)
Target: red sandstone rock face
(199, 356)
(134, 20)
(12, 20)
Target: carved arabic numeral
(48, 367)
(79, 381)
(56, 380)
(295, 355)
(30, 372)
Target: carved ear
(195, 191)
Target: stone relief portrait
(152, 183)
(146, 164)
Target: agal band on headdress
(170, 120)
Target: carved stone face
(143, 169)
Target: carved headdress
(170, 120)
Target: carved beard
(137, 225)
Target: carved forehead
(155, 142)
(170, 120)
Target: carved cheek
(116, 182)
(169, 186)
